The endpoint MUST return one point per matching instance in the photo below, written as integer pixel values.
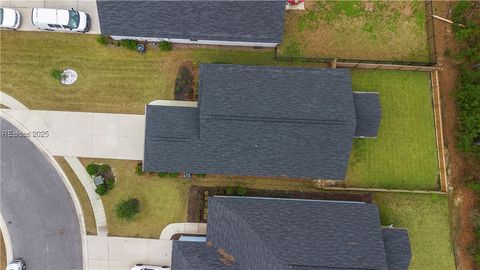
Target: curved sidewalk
(95, 200)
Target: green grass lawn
(163, 200)
(427, 221)
(116, 80)
(110, 79)
(391, 30)
(87, 210)
(404, 154)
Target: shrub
(101, 190)
(127, 209)
(201, 175)
(57, 74)
(475, 186)
(241, 191)
(138, 169)
(110, 183)
(102, 40)
(165, 45)
(168, 174)
(229, 191)
(104, 168)
(92, 169)
(129, 44)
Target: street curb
(68, 186)
(6, 239)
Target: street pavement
(40, 215)
(25, 9)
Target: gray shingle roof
(247, 21)
(198, 256)
(397, 246)
(267, 233)
(368, 114)
(265, 121)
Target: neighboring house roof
(254, 120)
(245, 21)
(269, 233)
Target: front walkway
(25, 9)
(121, 253)
(184, 228)
(83, 134)
(95, 200)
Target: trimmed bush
(110, 183)
(241, 191)
(129, 44)
(101, 190)
(103, 169)
(102, 40)
(229, 191)
(92, 169)
(57, 74)
(127, 209)
(138, 169)
(165, 45)
(201, 175)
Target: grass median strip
(87, 209)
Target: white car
(9, 18)
(61, 20)
(17, 264)
(149, 267)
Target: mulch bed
(185, 82)
(197, 202)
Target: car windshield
(74, 19)
(1, 15)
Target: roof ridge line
(339, 122)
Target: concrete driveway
(40, 215)
(120, 253)
(83, 134)
(25, 9)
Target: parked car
(17, 264)
(61, 20)
(140, 266)
(9, 18)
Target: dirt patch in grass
(87, 209)
(376, 30)
(185, 83)
(198, 197)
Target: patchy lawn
(427, 221)
(404, 154)
(87, 209)
(374, 30)
(163, 200)
(110, 79)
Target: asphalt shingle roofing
(227, 20)
(263, 121)
(267, 233)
